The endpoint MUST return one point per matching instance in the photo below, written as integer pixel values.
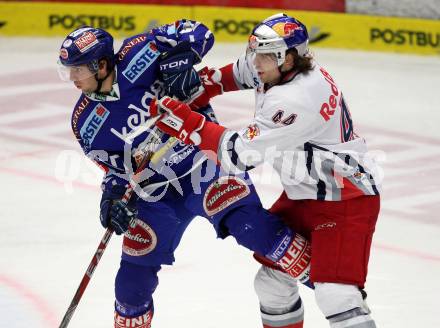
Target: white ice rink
(49, 226)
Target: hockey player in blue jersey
(110, 122)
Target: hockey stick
(149, 155)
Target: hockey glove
(113, 212)
(214, 82)
(178, 74)
(180, 121)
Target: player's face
(80, 75)
(88, 84)
(267, 68)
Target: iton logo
(174, 64)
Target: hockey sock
(292, 319)
(356, 317)
(140, 321)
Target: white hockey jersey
(302, 127)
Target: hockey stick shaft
(149, 155)
(86, 278)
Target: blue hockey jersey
(111, 128)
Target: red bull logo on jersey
(87, 40)
(286, 29)
(139, 239)
(93, 124)
(252, 131)
(224, 192)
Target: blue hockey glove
(113, 212)
(121, 217)
(178, 74)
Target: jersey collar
(112, 96)
(285, 78)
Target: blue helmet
(87, 45)
(278, 33)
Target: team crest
(252, 131)
(224, 192)
(139, 239)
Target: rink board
(328, 30)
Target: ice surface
(49, 224)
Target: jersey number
(346, 123)
(278, 118)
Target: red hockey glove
(180, 121)
(214, 82)
(155, 110)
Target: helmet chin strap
(100, 81)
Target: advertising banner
(57, 19)
(317, 5)
(333, 30)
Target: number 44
(279, 118)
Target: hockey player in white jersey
(303, 127)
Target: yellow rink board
(228, 24)
(58, 19)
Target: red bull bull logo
(286, 29)
(252, 132)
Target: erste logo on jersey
(86, 41)
(93, 124)
(139, 239)
(139, 64)
(224, 192)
